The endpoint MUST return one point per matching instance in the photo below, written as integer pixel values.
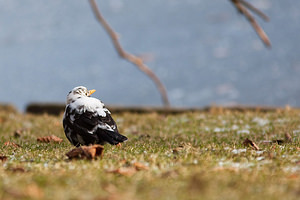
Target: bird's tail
(114, 137)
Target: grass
(197, 155)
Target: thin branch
(255, 10)
(129, 57)
(242, 6)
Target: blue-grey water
(203, 51)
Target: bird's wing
(91, 125)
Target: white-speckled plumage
(89, 104)
(87, 121)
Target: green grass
(196, 155)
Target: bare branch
(129, 57)
(258, 12)
(242, 6)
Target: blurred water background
(203, 51)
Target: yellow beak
(91, 92)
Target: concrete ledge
(58, 108)
(48, 108)
(6, 107)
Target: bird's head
(77, 92)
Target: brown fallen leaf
(140, 166)
(125, 171)
(288, 137)
(11, 144)
(3, 158)
(19, 132)
(250, 143)
(129, 169)
(17, 169)
(119, 145)
(86, 152)
(48, 139)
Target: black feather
(89, 128)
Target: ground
(191, 155)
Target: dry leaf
(139, 166)
(119, 145)
(129, 169)
(76, 153)
(288, 137)
(125, 171)
(3, 158)
(11, 144)
(17, 169)
(86, 152)
(93, 151)
(48, 139)
(18, 133)
(248, 142)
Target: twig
(129, 57)
(242, 6)
(258, 12)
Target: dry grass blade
(86, 152)
(131, 58)
(241, 7)
(250, 143)
(48, 139)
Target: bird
(87, 121)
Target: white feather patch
(89, 104)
